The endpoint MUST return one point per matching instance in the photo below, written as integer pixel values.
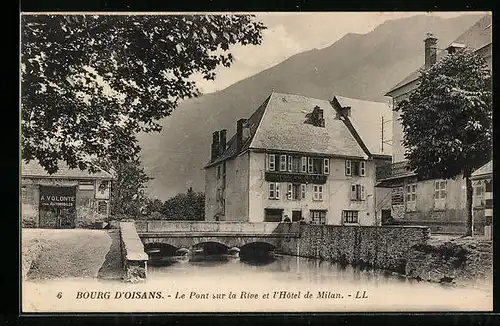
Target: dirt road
(69, 253)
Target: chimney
(430, 50)
(241, 133)
(215, 145)
(222, 141)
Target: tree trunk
(468, 206)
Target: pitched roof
(278, 124)
(485, 170)
(366, 117)
(34, 169)
(476, 37)
(282, 127)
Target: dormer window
(454, 47)
(316, 118)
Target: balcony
(296, 177)
(393, 171)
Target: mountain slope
(356, 66)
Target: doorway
(296, 216)
(57, 207)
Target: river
(287, 283)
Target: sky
(291, 33)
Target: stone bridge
(189, 234)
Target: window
(102, 207)
(348, 170)
(274, 190)
(318, 217)
(439, 194)
(294, 191)
(273, 215)
(271, 162)
(479, 190)
(349, 217)
(304, 164)
(309, 165)
(290, 163)
(317, 165)
(296, 164)
(282, 162)
(23, 194)
(411, 197)
(224, 173)
(317, 192)
(303, 188)
(355, 168)
(358, 192)
(326, 166)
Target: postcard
(256, 162)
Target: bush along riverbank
(457, 261)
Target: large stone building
(440, 204)
(68, 198)
(300, 158)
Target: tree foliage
(447, 120)
(127, 189)
(90, 83)
(186, 206)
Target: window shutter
(353, 192)
(309, 165)
(290, 163)
(362, 168)
(271, 190)
(289, 193)
(272, 162)
(277, 190)
(363, 195)
(303, 191)
(304, 164)
(347, 167)
(326, 166)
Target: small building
(437, 203)
(482, 183)
(68, 198)
(298, 158)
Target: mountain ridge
(358, 66)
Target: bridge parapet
(228, 227)
(133, 256)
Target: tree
(90, 83)
(447, 120)
(186, 206)
(127, 190)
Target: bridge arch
(188, 242)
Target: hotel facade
(295, 157)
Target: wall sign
(102, 189)
(64, 197)
(296, 177)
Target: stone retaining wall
(384, 247)
(133, 256)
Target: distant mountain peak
(358, 66)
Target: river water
(286, 284)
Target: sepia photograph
(256, 162)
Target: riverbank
(458, 261)
(57, 254)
